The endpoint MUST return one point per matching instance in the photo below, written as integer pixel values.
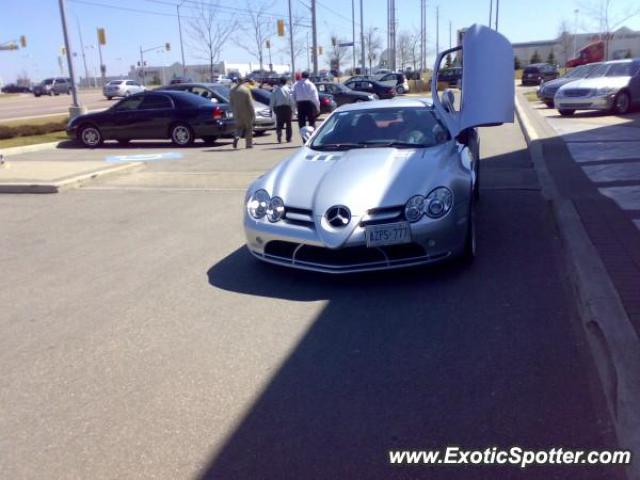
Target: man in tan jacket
(243, 113)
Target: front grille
(348, 258)
(298, 216)
(577, 92)
(380, 216)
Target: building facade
(624, 42)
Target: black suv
(536, 73)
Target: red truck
(593, 52)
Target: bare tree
(337, 55)
(209, 32)
(258, 26)
(566, 42)
(404, 49)
(372, 45)
(607, 19)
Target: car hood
(360, 179)
(598, 82)
(94, 116)
(558, 82)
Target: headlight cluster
(261, 205)
(603, 91)
(435, 205)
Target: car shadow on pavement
(111, 145)
(420, 359)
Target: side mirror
(448, 100)
(306, 133)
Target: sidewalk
(51, 176)
(589, 166)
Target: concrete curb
(38, 147)
(611, 336)
(66, 183)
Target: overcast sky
(154, 22)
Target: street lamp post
(184, 68)
(75, 108)
(575, 33)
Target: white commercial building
(624, 42)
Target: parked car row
(13, 88)
(612, 86)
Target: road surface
(25, 106)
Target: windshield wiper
(337, 146)
(384, 144)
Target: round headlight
(275, 212)
(439, 202)
(259, 204)
(414, 208)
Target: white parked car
(121, 88)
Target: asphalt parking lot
(141, 340)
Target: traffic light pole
(75, 109)
(103, 68)
(314, 37)
(293, 55)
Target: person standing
(282, 104)
(243, 113)
(307, 100)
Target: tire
(549, 104)
(622, 103)
(90, 136)
(181, 135)
(400, 90)
(260, 133)
(109, 98)
(211, 139)
(127, 93)
(36, 95)
(469, 251)
(566, 112)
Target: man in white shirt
(282, 104)
(307, 100)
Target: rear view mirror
(306, 133)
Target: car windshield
(620, 70)
(398, 127)
(222, 91)
(48, 81)
(579, 72)
(598, 71)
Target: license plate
(229, 114)
(389, 234)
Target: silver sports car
(386, 184)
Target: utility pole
(497, 13)
(362, 47)
(102, 65)
(449, 34)
(75, 109)
(184, 67)
(490, 12)
(293, 56)
(391, 33)
(437, 29)
(84, 55)
(353, 37)
(314, 37)
(423, 36)
(575, 33)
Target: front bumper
(601, 102)
(299, 246)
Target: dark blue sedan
(179, 116)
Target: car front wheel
(90, 136)
(622, 103)
(181, 135)
(400, 90)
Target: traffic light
(23, 41)
(63, 51)
(167, 46)
(281, 28)
(333, 41)
(320, 51)
(268, 44)
(102, 36)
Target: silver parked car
(53, 86)
(121, 88)
(386, 184)
(613, 86)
